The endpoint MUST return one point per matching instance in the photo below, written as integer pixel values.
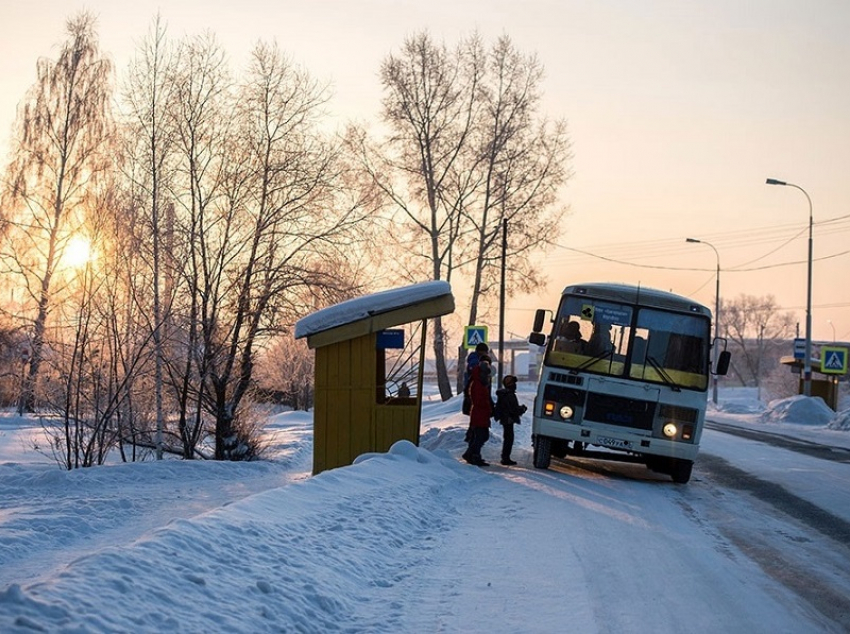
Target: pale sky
(678, 112)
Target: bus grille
(569, 379)
(616, 410)
(563, 394)
(681, 414)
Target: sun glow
(77, 252)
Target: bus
(625, 376)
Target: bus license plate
(616, 443)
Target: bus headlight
(566, 412)
(670, 430)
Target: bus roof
(642, 295)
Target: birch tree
(60, 151)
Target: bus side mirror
(537, 338)
(539, 318)
(723, 363)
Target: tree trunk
(443, 382)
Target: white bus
(626, 370)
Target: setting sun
(77, 252)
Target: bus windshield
(640, 343)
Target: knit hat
(509, 380)
(482, 347)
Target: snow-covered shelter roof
(377, 311)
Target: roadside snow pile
(749, 407)
(802, 410)
(316, 556)
(841, 422)
(739, 401)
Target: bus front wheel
(681, 471)
(542, 451)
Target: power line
(694, 269)
(738, 238)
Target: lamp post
(807, 362)
(716, 315)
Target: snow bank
(743, 400)
(841, 422)
(316, 556)
(802, 410)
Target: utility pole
(502, 301)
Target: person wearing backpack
(508, 412)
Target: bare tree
(755, 329)
(262, 218)
(430, 107)
(148, 97)
(518, 162)
(285, 369)
(466, 152)
(203, 110)
(93, 363)
(64, 127)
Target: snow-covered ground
(417, 541)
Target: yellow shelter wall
(348, 421)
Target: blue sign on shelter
(390, 338)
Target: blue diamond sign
(833, 360)
(473, 335)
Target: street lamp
(807, 362)
(716, 315)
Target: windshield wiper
(663, 374)
(597, 357)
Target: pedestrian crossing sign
(833, 360)
(473, 335)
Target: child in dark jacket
(509, 412)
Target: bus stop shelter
(370, 357)
(826, 387)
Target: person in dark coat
(509, 412)
(471, 362)
(481, 411)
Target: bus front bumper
(615, 438)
